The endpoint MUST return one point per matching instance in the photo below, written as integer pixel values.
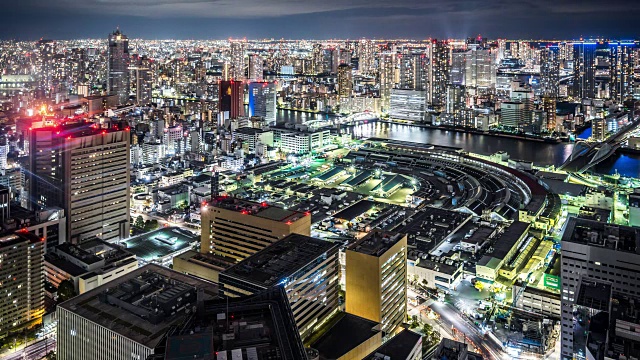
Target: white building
(407, 105)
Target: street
(34, 351)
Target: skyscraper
(439, 73)
(237, 60)
(84, 170)
(366, 56)
(230, 96)
(262, 101)
(549, 72)
(345, 81)
(386, 73)
(118, 66)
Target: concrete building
(349, 338)
(89, 265)
(408, 104)
(376, 279)
(444, 275)
(594, 251)
(237, 229)
(301, 143)
(505, 251)
(306, 267)
(129, 317)
(252, 137)
(204, 266)
(634, 208)
(22, 273)
(85, 171)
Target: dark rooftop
(376, 242)
(508, 239)
(601, 234)
(139, 305)
(355, 210)
(349, 332)
(276, 262)
(398, 347)
(256, 327)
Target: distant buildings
(230, 99)
(118, 67)
(376, 279)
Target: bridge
(343, 120)
(586, 155)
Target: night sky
(319, 19)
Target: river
(537, 152)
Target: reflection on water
(538, 152)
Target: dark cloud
(28, 19)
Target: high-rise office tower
(238, 60)
(262, 101)
(22, 273)
(84, 170)
(594, 251)
(230, 94)
(458, 65)
(584, 58)
(307, 268)
(480, 68)
(376, 278)
(386, 74)
(141, 71)
(549, 72)
(439, 73)
(345, 81)
(256, 67)
(237, 229)
(118, 66)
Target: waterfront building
(262, 101)
(345, 81)
(407, 105)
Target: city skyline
(201, 19)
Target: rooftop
(600, 234)
(376, 242)
(140, 305)
(508, 239)
(159, 243)
(257, 327)
(77, 130)
(398, 347)
(262, 210)
(347, 333)
(276, 262)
